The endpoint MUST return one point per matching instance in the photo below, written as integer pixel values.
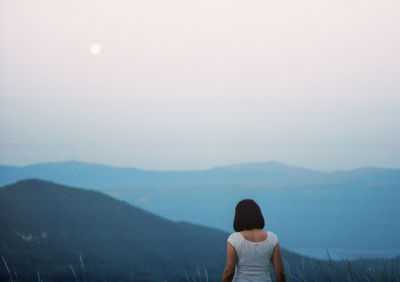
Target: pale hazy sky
(196, 84)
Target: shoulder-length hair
(248, 216)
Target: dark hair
(248, 216)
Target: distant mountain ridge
(75, 172)
(270, 165)
(361, 204)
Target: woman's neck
(254, 235)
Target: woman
(250, 249)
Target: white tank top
(253, 257)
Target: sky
(179, 85)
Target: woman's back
(253, 257)
(250, 249)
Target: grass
(330, 270)
(346, 270)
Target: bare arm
(278, 265)
(231, 261)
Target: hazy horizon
(181, 85)
(194, 169)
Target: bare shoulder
(273, 236)
(234, 236)
(234, 239)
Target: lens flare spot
(95, 49)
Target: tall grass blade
(349, 270)
(312, 269)
(198, 272)
(287, 268)
(73, 272)
(205, 273)
(384, 271)
(324, 273)
(82, 267)
(8, 270)
(186, 276)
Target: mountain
(351, 213)
(60, 233)
(270, 173)
(49, 226)
(95, 174)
